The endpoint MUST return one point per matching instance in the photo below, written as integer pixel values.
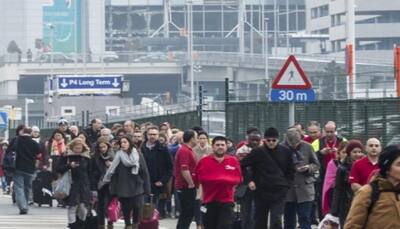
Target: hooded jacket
(385, 213)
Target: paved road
(46, 217)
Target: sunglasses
(374, 145)
(271, 140)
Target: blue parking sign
(3, 120)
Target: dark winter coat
(27, 151)
(272, 180)
(80, 188)
(92, 135)
(159, 164)
(125, 184)
(342, 193)
(99, 168)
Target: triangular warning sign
(291, 76)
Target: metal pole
(351, 40)
(241, 18)
(266, 55)
(287, 27)
(276, 28)
(26, 113)
(190, 50)
(166, 18)
(291, 114)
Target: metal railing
(233, 58)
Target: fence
(359, 119)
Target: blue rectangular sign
(95, 82)
(294, 96)
(3, 120)
(87, 84)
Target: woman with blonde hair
(77, 162)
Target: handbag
(10, 158)
(113, 210)
(63, 186)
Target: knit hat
(62, 121)
(352, 145)
(387, 157)
(271, 133)
(35, 129)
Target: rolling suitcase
(42, 189)
(150, 221)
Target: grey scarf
(129, 160)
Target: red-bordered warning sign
(291, 76)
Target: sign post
(292, 85)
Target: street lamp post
(266, 55)
(27, 102)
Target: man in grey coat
(301, 195)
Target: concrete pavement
(47, 218)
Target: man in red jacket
(218, 174)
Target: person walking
(363, 168)
(342, 194)
(185, 164)
(245, 196)
(26, 152)
(101, 161)
(159, 163)
(77, 162)
(273, 173)
(218, 174)
(129, 180)
(299, 200)
(377, 204)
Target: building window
(320, 11)
(338, 19)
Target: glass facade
(138, 27)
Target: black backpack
(10, 157)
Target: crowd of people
(313, 176)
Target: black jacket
(342, 193)
(27, 150)
(272, 180)
(99, 168)
(92, 135)
(80, 187)
(159, 164)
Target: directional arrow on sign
(115, 83)
(64, 83)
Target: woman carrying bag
(129, 181)
(77, 162)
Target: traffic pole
(397, 68)
(291, 114)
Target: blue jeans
(3, 183)
(22, 188)
(303, 212)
